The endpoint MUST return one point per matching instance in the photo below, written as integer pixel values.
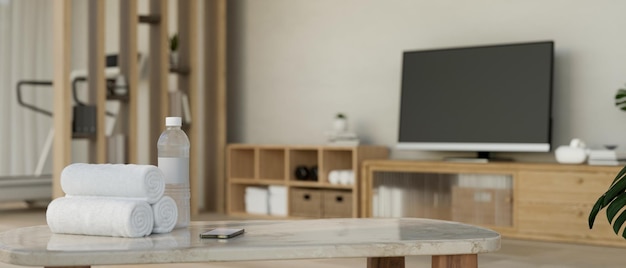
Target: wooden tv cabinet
(540, 201)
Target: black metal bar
(75, 95)
(180, 70)
(33, 83)
(150, 19)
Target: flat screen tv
(495, 98)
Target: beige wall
(295, 63)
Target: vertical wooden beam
(366, 191)
(95, 67)
(159, 70)
(187, 83)
(62, 120)
(357, 158)
(215, 100)
(129, 19)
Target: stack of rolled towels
(341, 177)
(122, 200)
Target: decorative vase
(174, 59)
(340, 125)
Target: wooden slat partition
(159, 70)
(129, 69)
(96, 78)
(61, 43)
(215, 103)
(187, 83)
(208, 107)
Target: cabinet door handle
(307, 197)
(339, 199)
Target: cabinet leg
(455, 261)
(385, 262)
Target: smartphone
(222, 233)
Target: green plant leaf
(174, 42)
(615, 207)
(594, 211)
(619, 175)
(621, 93)
(617, 224)
(620, 99)
(612, 210)
(618, 186)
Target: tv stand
(540, 201)
(481, 157)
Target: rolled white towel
(145, 182)
(346, 177)
(351, 177)
(165, 215)
(333, 177)
(102, 216)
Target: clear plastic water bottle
(173, 160)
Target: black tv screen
(494, 98)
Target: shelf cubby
(241, 163)
(272, 163)
(237, 194)
(336, 159)
(302, 157)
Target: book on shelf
(607, 155)
(597, 162)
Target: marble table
(384, 242)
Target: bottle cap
(173, 121)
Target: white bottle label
(176, 169)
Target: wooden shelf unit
(548, 202)
(264, 165)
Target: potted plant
(620, 99)
(615, 197)
(614, 200)
(340, 124)
(174, 50)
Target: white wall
(295, 63)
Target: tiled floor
(513, 253)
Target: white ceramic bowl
(570, 155)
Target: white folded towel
(103, 216)
(341, 176)
(165, 215)
(348, 177)
(344, 177)
(145, 182)
(333, 176)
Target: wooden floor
(513, 253)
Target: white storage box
(278, 200)
(257, 200)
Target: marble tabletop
(262, 240)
